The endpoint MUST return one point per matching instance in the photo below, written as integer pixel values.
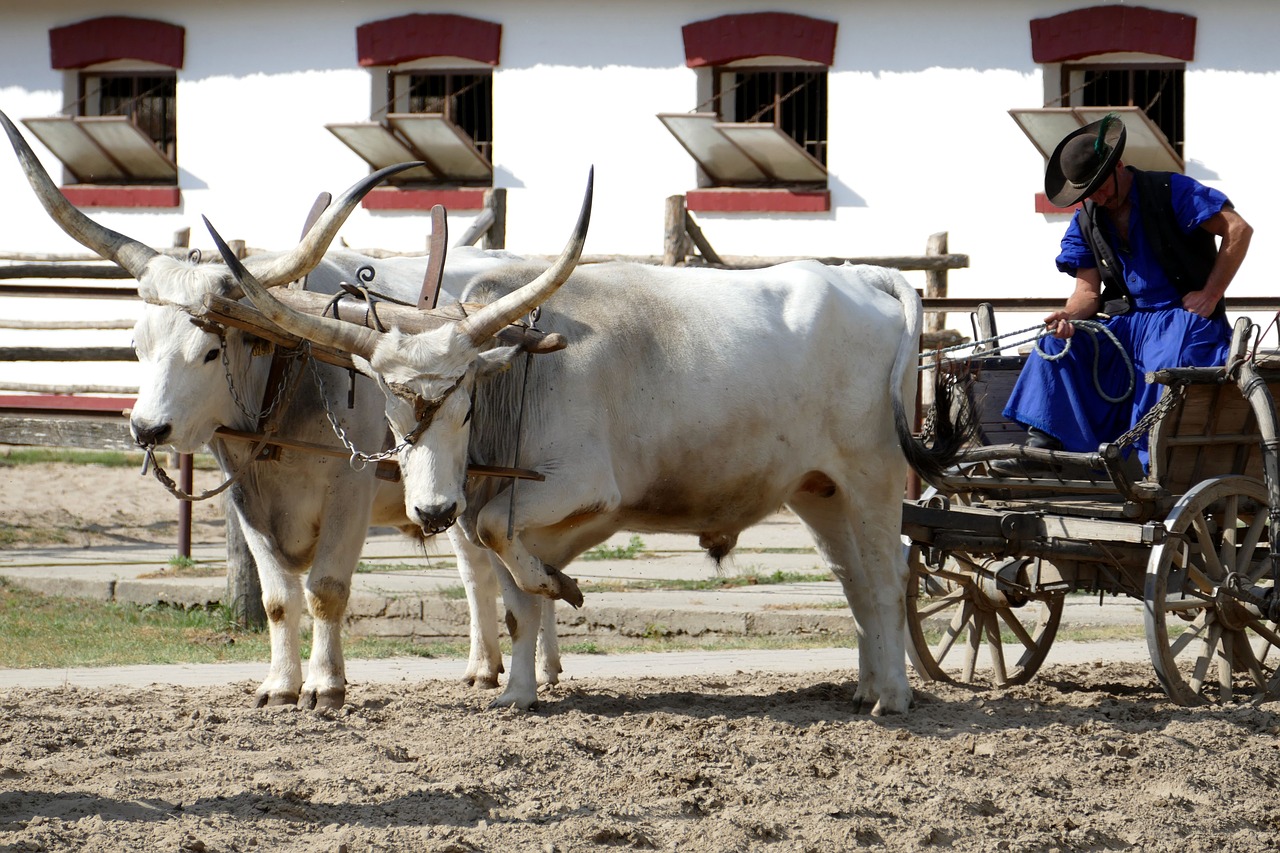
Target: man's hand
(1059, 325)
(1200, 302)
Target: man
(1144, 245)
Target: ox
(688, 400)
(302, 515)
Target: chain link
(1166, 403)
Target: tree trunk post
(674, 236)
(244, 590)
(495, 237)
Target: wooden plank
(67, 354)
(84, 433)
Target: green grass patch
(366, 568)
(634, 548)
(56, 632)
(19, 535)
(747, 577)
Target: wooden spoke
(1208, 645)
(942, 610)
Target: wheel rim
(1206, 644)
(979, 631)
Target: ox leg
(480, 580)
(328, 590)
(524, 616)
(549, 668)
(541, 505)
(864, 552)
(282, 600)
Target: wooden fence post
(495, 236)
(935, 282)
(675, 239)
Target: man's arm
(1235, 234)
(1082, 304)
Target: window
(433, 99)
(1155, 89)
(1126, 60)
(762, 119)
(119, 128)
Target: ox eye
(467, 419)
(210, 355)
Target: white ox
(303, 515)
(688, 400)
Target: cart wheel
(1208, 645)
(972, 614)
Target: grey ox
(688, 400)
(303, 516)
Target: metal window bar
(1157, 89)
(149, 100)
(794, 101)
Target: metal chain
(174, 489)
(231, 384)
(359, 459)
(1165, 404)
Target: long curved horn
(307, 255)
(128, 253)
(486, 322)
(346, 337)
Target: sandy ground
(90, 505)
(1087, 757)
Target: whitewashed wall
(920, 139)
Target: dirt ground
(92, 505)
(1087, 757)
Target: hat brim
(1060, 191)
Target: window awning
(1146, 146)
(445, 147)
(103, 149)
(742, 153)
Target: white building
(895, 119)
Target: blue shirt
(1193, 203)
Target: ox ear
(496, 360)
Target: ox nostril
(436, 519)
(150, 436)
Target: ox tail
(955, 424)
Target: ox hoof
(275, 700)
(549, 676)
(520, 703)
(324, 700)
(481, 682)
(568, 590)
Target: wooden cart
(992, 558)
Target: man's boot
(1025, 467)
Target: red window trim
(88, 195)
(718, 41)
(1043, 205)
(394, 198)
(116, 37)
(731, 200)
(1106, 29)
(408, 37)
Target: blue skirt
(1061, 398)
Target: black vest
(1186, 259)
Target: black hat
(1083, 160)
